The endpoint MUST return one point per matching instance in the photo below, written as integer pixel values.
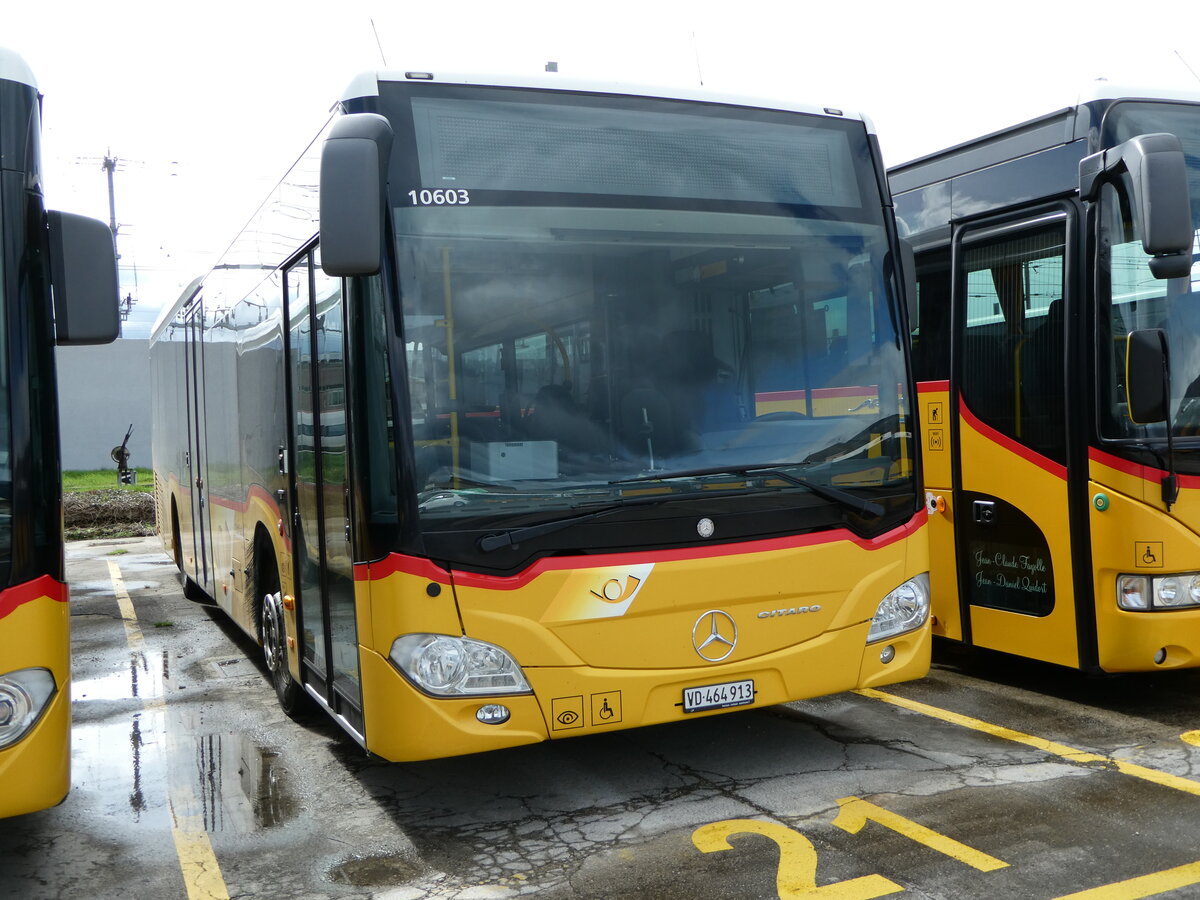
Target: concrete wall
(101, 391)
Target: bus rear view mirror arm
(352, 213)
(1158, 181)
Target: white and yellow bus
(40, 251)
(530, 409)
(1057, 351)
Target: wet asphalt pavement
(991, 778)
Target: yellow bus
(73, 255)
(532, 409)
(1057, 349)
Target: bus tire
(273, 636)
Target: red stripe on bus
(423, 568)
(929, 387)
(1058, 470)
(1138, 470)
(45, 586)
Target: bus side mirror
(1158, 176)
(353, 207)
(1147, 376)
(83, 275)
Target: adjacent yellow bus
(533, 409)
(1057, 350)
(73, 257)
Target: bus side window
(931, 330)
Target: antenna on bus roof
(378, 43)
(1186, 66)
(696, 50)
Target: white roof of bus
(367, 85)
(13, 68)
(1103, 89)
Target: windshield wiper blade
(826, 491)
(490, 542)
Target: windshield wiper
(490, 542)
(828, 492)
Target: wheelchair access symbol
(1148, 554)
(606, 708)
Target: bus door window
(306, 547)
(1013, 353)
(330, 381)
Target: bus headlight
(1141, 592)
(23, 695)
(904, 609)
(456, 666)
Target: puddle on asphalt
(143, 679)
(223, 782)
(374, 871)
(105, 586)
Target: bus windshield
(608, 296)
(1137, 299)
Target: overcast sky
(207, 104)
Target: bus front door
(324, 575)
(1011, 527)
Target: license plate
(718, 696)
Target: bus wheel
(291, 695)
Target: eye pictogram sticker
(566, 713)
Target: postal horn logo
(617, 591)
(714, 635)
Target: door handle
(984, 512)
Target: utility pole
(110, 165)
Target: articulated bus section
(35, 747)
(626, 443)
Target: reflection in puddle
(241, 786)
(137, 798)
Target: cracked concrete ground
(178, 743)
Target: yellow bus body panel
(1041, 494)
(1135, 518)
(611, 646)
(932, 411)
(35, 772)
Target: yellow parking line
(133, 631)
(1055, 749)
(1143, 886)
(201, 873)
